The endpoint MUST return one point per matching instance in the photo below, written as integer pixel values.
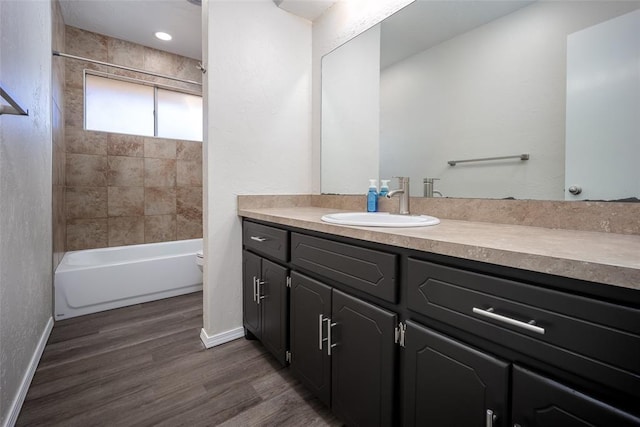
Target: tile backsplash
(127, 189)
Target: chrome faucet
(403, 191)
(429, 183)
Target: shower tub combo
(94, 280)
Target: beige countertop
(608, 258)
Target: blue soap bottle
(384, 187)
(372, 196)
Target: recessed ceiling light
(163, 36)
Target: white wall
(484, 94)
(350, 115)
(258, 97)
(25, 198)
(339, 24)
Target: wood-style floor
(144, 365)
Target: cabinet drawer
(368, 270)
(266, 240)
(560, 328)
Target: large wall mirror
(553, 86)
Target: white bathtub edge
(210, 341)
(16, 405)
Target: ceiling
(138, 20)
(308, 9)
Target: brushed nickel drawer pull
(258, 295)
(328, 339)
(529, 326)
(490, 418)
(255, 293)
(259, 239)
(320, 338)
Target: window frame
(133, 80)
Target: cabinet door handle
(329, 345)
(254, 289)
(259, 239)
(258, 296)
(529, 326)
(490, 418)
(320, 338)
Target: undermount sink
(380, 219)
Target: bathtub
(94, 280)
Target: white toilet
(200, 259)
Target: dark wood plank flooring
(145, 365)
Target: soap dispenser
(384, 187)
(372, 196)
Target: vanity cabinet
(342, 349)
(265, 298)
(391, 336)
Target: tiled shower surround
(127, 189)
(58, 160)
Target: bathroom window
(121, 106)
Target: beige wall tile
(86, 202)
(74, 107)
(83, 170)
(159, 148)
(126, 230)
(82, 141)
(119, 144)
(59, 224)
(125, 53)
(189, 173)
(58, 77)
(189, 150)
(58, 152)
(159, 228)
(188, 228)
(189, 208)
(126, 201)
(159, 61)
(159, 173)
(189, 202)
(59, 160)
(87, 44)
(126, 171)
(74, 72)
(187, 68)
(86, 233)
(159, 201)
(58, 27)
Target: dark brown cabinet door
(251, 270)
(310, 362)
(362, 362)
(447, 383)
(541, 402)
(273, 302)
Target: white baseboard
(221, 338)
(16, 405)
